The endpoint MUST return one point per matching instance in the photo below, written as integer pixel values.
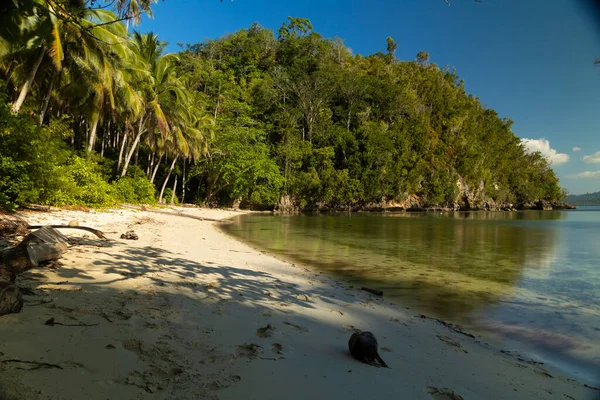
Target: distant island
(588, 199)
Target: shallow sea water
(528, 279)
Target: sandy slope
(178, 315)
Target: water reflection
(530, 276)
(448, 266)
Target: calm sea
(528, 279)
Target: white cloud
(592, 159)
(576, 148)
(543, 146)
(586, 174)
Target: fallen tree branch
(36, 364)
(176, 213)
(96, 232)
(52, 322)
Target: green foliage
(6, 204)
(240, 166)
(135, 187)
(249, 117)
(345, 130)
(167, 197)
(80, 182)
(28, 157)
(37, 167)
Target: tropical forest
(95, 113)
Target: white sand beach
(187, 312)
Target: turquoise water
(530, 279)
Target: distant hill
(588, 199)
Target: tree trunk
(213, 193)
(211, 184)
(218, 101)
(27, 85)
(162, 190)
(174, 189)
(183, 183)
(92, 139)
(137, 155)
(133, 146)
(348, 120)
(9, 73)
(47, 98)
(149, 164)
(106, 132)
(155, 169)
(121, 151)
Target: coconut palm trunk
(162, 190)
(133, 146)
(155, 169)
(174, 189)
(105, 138)
(183, 183)
(47, 98)
(123, 142)
(92, 138)
(27, 85)
(149, 164)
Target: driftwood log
(45, 244)
(42, 245)
(96, 232)
(176, 213)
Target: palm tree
(164, 94)
(32, 28)
(132, 9)
(84, 38)
(189, 138)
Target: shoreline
(571, 367)
(190, 312)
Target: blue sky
(530, 60)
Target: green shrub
(29, 156)
(79, 182)
(5, 204)
(167, 197)
(136, 188)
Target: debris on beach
(444, 394)
(11, 298)
(130, 235)
(376, 292)
(45, 245)
(363, 347)
(303, 297)
(265, 332)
